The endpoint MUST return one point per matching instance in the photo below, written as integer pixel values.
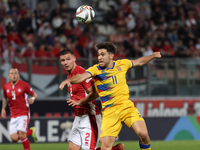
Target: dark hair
(110, 47)
(66, 51)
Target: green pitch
(131, 145)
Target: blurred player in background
(15, 93)
(86, 126)
(110, 82)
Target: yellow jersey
(110, 83)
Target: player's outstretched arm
(32, 99)
(144, 60)
(92, 94)
(75, 79)
(4, 104)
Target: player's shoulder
(79, 69)
(119, 61)
(7, 85)
(22, 82)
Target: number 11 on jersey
(114, 78)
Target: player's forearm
(90, 97)
(34, 97)
(143, 60)
(76, 79)
(4, 103)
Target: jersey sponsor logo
(8, 91)
(119, 68)
(88, 80)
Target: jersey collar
(106, 68)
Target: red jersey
(17, 96)
(78, 91)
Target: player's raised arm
(75, 79)
(144, 60)
(92, 94)
(4, 104)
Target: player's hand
(3, 113)
(72, 102)
(31, 100)
(62, 85)
(157, 54)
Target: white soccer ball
(85, 14)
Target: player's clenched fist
(157, 54)
(62, 85)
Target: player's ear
(112, 55)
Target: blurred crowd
(140, 27)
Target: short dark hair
(110, 47)
(66, 51)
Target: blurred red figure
(13, 37)
(15, 94)
(30, 51)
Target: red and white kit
(18, 103)
(86, 126)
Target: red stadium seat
(57, 115)
(35, 115)
(49, 115)
(66, 114)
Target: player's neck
(13, 82)
(110, 65)
(70, 71)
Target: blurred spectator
(55, 12)
(14, 38)
(167, 50)
(45, 30)
(41, 53)
(13, 10)
(121, 52)
(2, 29)
(38, 11)
(147, 50)
(23, 10)
(25, 24)
(56, 50)
(135, 7)
(57, 22)
(29, 51)
(120, 21)
(2, 10)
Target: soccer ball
(85, 14)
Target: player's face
(13, 75)
(68, 61)
(104, 58)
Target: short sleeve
(128, 63)
(87, 83)
(4, 92)
(91, 71)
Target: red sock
(113, 148)
(29, 132)
(26, 143)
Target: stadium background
(166, 91)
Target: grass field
(155, 145)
